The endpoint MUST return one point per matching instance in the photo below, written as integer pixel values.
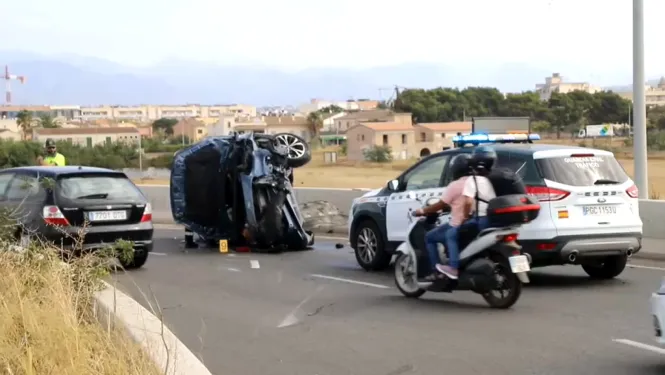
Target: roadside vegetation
(47, 321)
(113, 156)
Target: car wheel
(607, 268)
(137, 261)
(299, 152)
(370, 248)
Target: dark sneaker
(452, 273)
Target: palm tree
(47, 121)
(25, 123)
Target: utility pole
(639, 102)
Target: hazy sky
(353, 33)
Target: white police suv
(589, 208)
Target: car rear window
(110, 187)
(584, 170)
(522, 165)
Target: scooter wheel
(406, 278)
(509, 290)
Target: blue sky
(593, 35)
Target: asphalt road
(316, 312)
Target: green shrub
(378, 154)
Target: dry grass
(46, 322)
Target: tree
(25, 123)
(562, 110)
(315, 122)
(47, 121)
(331, 109)
(164, 124)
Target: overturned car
(239, 188)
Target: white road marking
(254, 264)
(640, 345)
(168, 227)
(351, 281)
(155, 253)
(233, 269)
(646, 267)
(332, 238)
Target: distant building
(654, 96)
(555, 83)
(88, 136)
(349, 105)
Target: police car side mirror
(393, 185)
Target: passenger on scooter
(477, 191)
(454, 198)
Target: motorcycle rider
(477, 191)
(446, 233)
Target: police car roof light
(480, 138)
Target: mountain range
(73, 79)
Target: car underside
(238, 188)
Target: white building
(316, 104)
(555, 83)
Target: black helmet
(49, 143)
(460, 165)
(483, 157)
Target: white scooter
(491, 262)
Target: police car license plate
(519, 263)
(599, 210)
(107, 215)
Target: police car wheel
(369, 247)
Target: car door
(25, 197)
(5, 179)
(425, 180)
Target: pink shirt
(455, 199)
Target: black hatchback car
(54, 203)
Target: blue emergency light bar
(480, 138)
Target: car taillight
(53, 216)
(147, 213)
(633, 192)
(508, 238)
(546, 194)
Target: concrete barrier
(652, 213)
(116, 309)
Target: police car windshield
(583, 170)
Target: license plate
(107, 215)
(519, 263)
(599, 210)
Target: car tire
(608, 268)
(299, 151)
(368, 240)
(269, 217)
(137, 261)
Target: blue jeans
(452, 244)
(432, 239)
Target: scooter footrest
(443, 285)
